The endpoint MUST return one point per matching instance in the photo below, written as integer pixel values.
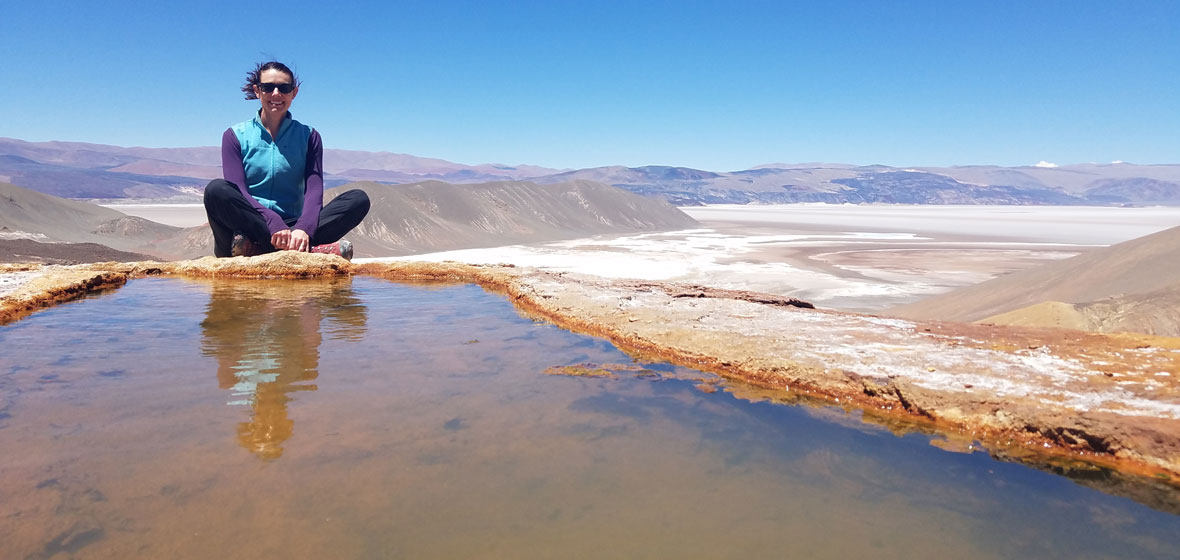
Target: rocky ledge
(1057, 398)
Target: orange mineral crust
(1046, 396)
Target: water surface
(357, 418)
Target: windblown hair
(253, 77)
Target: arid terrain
(897, 259)
(1132, 286)
(774, 301)
(1061, 399)
(404, 219)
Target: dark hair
(253, 76)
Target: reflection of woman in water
(266, 338)
(272, 185)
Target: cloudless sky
(570, 84)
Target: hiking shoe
(243, 247)
(341, 248)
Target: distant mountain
(916, 187)
(76, 182)
(837, 184)
(345, 162)
(1131, 286)
(1136, 190)
(79, 170)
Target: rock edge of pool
(1056, 399)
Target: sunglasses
(268, 87)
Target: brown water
(364, 419)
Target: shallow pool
(358, 418)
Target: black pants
(229, 213)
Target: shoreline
(1055, 397)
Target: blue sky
(711, 85)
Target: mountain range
(95, 171)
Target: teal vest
(275, 167)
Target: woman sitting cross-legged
(271, 196)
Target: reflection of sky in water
(417, 423)
(249, 375)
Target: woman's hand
(291, 240)
(300, 241)
(279, 239)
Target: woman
(271, 194)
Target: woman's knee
(356, 200)
(362, 202)
(219, 190)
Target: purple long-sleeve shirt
(233, 170)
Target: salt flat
(849, 257)
(179, 215)
(1086, 225)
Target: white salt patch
(693, 256)
(1087, 225)
(9, 282)
(178, 215)
(10, 235)
(1150, 350)
(839, 342)
(935, 272)
(883, 322)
